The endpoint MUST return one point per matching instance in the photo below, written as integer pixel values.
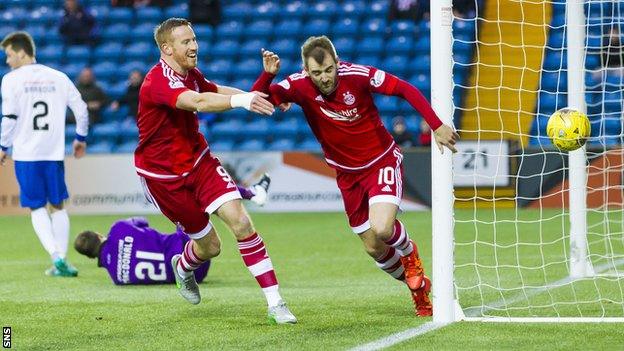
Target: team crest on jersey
(349, 99)
(378, 78)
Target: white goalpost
(522, 232)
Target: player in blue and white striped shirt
(34, 101)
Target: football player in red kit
(180, 176)
(337, 101)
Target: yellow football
(568, 129)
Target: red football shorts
(381, 182)
(188, 201)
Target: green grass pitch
(341, 299)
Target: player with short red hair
(337, 101)
(180, 176)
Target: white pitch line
(478, 311)
(398, 337)
(427, 327)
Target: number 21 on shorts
(386, 176)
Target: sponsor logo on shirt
(378, 78)
(349, 115)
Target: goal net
(538, 233)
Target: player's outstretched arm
(215, 102)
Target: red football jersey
(345, 122)
(170, 143)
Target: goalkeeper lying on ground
(134, 253)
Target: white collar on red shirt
(164, 63)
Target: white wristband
(242, 100)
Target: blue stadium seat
(251, 145)
(461, 46)
(149, 14)
(129, 132)
(324, 9)
(102, 147)
(125, 69)
(118, 32)
(555, 59)
(243, 84)
(127, 147)
(556, 39)
(14, 15)
(287, 28)
(110, 115)
(422, 64)
(218, 69)
(78, 53)
(258, 128)
(229, 30)
(592, 62)
(262, 28)
(238, 12)
(613, 102)
(140, 51)
(315, 27)
(228, 129)
(120, 15)
(614, 81)
(289, 66)
(421, 81)
(251, 67)
(373, 26)
(116, 91)
(386, 104)
(346, 27)
(295, 10)
(378, 8)
(396, 64)
(222, 145)
(143, 32)
(423, 45)
(109, 51)
(353, 8)
(281, 145)
(462, 59)
(547, 103)
(400, 45)
(108, 131)
(267, 10)
(345, 46)
(403, 27)
(284, 48)
(285, 129)
(43, 15)
(49, 54)
(178, 10)
(105, 70)
(73, 69)
(612, 126)
(464, 26)
(38, 32)
(6, 29)
(203, 31)
(371, 45)
(309, 144)
(100, 13)
(225, 49)
(368, 60)
(252, 48)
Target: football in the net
(568, 129)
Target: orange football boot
(413, 269)
(420, 297)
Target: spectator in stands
(415, 10)
(92, 94)
(140, 3)
(401, 135)
(613, 53)
(205, 11)
(425, 134)
(131, 97)
(77, 26)
(464, 8)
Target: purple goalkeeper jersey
(134, 253)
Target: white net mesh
(512, 231)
